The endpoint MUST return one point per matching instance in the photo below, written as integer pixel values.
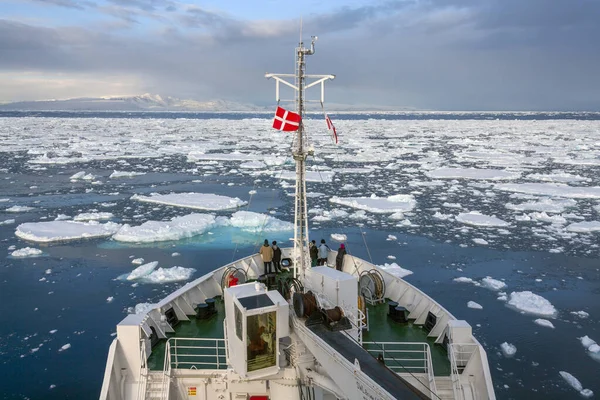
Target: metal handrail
(456, 349)
(141, 393)
(166, 373)
(183, 353)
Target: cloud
(439, 54)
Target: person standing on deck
(323, 251)
(314, 253)
(339, 259)
(266, 253)
(276, 257)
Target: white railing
(460, 354)
(166, 382)
(141, 394)
(196, 353)
(411, 357)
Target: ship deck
(381, 329)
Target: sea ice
(165, 275)
(477, 219)
(26, 252)
(472, 173)
(82, 176)
(544, 322)
(93, 216)
(125, 174)
(65, 347)
(7, 222)
(141, 308)
(464, 279)
(580, 314)
(142, 270)
(531, 303)
(137, 261)
(381, 205)
(339, 237)
(156, 231)
(552, 189)
(311, 176)
(493, 284)
(472, 304)
(508, 349)
(109, 299)
(480, 241)
(256, 222)
(395, 269)
(56, 231)
(584, 227)
(547, 205)
(199, 201)
(17, 209)
(571, 380)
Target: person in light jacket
(276, 257)
(266, 253)
(339, 259)
(323, 251)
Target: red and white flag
(331, 128)
(286, 120)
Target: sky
(432, 54)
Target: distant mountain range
(155, 102)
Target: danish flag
(331, 128)
(286, 120)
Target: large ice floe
(472, 173)
(198, 201)
(531, 303)
(255, 222)
(381, 205)
(93, 216)
(16, 209)
(575, 384)
(584, 227)
(148, 273)
(125, 174)
(156, 231)
(475, 218)
(395, 269)
(57, 231)
(552, 189)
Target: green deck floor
(383, 329)
(194, 328)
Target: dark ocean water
(81, 276)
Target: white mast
(300, 150)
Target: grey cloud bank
(501, 55)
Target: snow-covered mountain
(145, 102)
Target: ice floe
(551, 189)
(65, 347)
(256, 222)
(27, 252)
(476, 306)
(166, 275)
(580, 314)
(395, 269)
(472, 173)
(156, 231)
(199, 201)
(93, 216)
(16, 209)
(531, 303)
(142, 270)
(492, 284)
(56, 231)
(137, 261)
(584, 227)
(7, 222)
(547, 205)
(380, 205)
(508, 349)
(339, 237)
(82, 176)
(576, 384)
(311, 176)
(125, 174)
(544, 322)
(475, 218)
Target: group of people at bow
(271, 255)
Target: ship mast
(300, 150)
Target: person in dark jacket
(314, 253)
(276, 257)
(339, 259)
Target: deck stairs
(154, 385)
